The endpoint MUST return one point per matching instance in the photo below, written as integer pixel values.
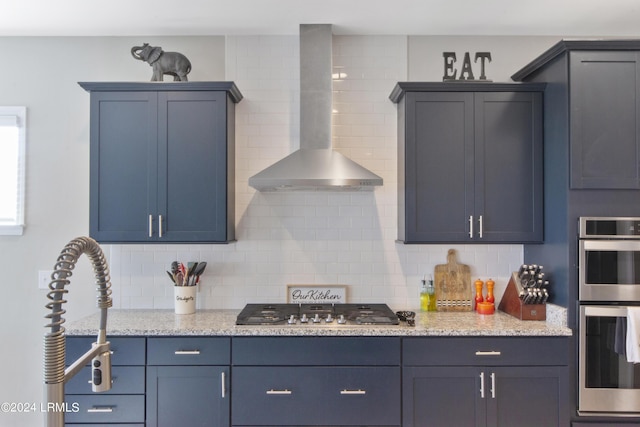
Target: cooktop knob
(304, 319)
(292, 319)
(342, 320)
(329, 318)
(316, 318)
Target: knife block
(513, 305)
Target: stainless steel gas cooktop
(316, 314)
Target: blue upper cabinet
(605, 126)
(592, 105)
(162, 162)
(469, 162)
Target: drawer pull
(353, 391)
(223, 381)
(488, 353)
(493, 385)
(282, 392)
(100, 409)
(113, 380)
(187, 352)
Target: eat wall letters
(466, 71)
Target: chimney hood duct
(315, 166)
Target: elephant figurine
(171, 63)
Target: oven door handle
(605, 311)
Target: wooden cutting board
(453, 285)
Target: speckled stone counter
(222, 323)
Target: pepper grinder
(479, 298)
(490, 284)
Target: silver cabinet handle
(187, 352)
(471, 226)
(113, 380)
(282, 392)
(102, 409)
(482, 385)
(222, 381)
(160, 226)
(481, 227)
(150, 225)
(353, 391)
(493, 385)
(488, 353)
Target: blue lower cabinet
(485, 382)
(124, 380)
(124, 404)
(319, 395)
(187, 396)
(102, 408)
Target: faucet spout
(55, 375)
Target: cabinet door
(327, 396)
(123, 177)
(527, 396)
(442, 397)
(187, 396)
(605, 126)
(193, 166)
(490, 396)
(439, 166)
(509, 172)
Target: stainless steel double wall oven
(609, 283)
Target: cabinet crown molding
(229, 87)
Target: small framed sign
(317, 294)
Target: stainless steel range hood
(315, 166)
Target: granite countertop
(222, 323)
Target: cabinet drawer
(285, 396)
(125, 350)
(100, 408)
(188, 351)
(334, 351)
(125, 380)
(474, 351)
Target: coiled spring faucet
(55, 374)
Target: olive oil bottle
(428, 296)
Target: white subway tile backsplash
(308, 237)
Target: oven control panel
(609, 228)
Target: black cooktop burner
(313, 314)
